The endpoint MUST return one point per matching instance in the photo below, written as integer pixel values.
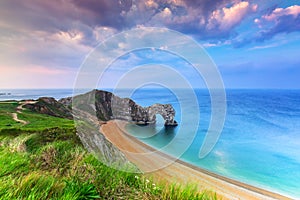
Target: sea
(259, 143)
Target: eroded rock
(105, 106)
(109, 106)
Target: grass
(38, 122)
(45, 160)
(6, 120)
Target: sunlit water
(260, 142)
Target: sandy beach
(162, 167)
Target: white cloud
(163, 17)
(103, 32)
(216, 44)
(227, 18)
(280, 20)
(70, 36)
(264, 47)
(278, 12)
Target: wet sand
(164, 168)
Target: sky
(254, 44)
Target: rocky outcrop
(49, 106)
(67, 102)
(165, 110)
(109, 106)
(106, 106)
(90, 108)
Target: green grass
(6, 120)
(40, 121)
(45, 160)
(37, 122)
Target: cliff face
(109, 106)
(90, 108)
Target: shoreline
(172, 170)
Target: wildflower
(147, 181)
(136, 177)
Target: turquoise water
(260, 142)
(259, 145)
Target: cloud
(270, 25)
(32, 76)
(98, 19)
(39, 35)
(263, 47)
(227, 18)
(102, 32)
(279, 12)
(104, 12)
(60, 33)
(204, 19)
(280, 20)
(60, 49)
(42, 70)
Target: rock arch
(165, 110)
(109, 106)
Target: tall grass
(49, 162)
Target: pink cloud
(227, 18)
(278, 12)
(280, 20)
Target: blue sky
(255, 44)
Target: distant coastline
(5, 93)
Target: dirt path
(19, 110)
(176, 171)
(15, 117)
(20, 107)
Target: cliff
(49, 106)
(90, 108)
(108, 106)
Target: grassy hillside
(44, 159)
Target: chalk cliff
(108, 106)
(90, 108)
